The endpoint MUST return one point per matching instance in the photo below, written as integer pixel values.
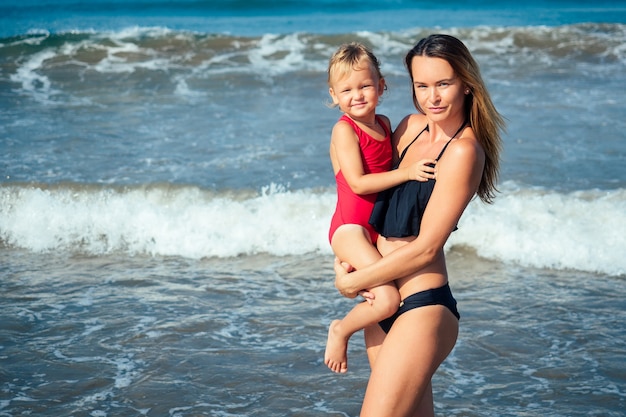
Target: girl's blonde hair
(351, 56)
(480, 112)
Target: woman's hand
(342, 276)
(342, 269)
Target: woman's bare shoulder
(463, 154)
(409, 126)
(466, 144)
(412, 120)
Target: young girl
(361, 155)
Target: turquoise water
(165, 195)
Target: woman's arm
(458, 175)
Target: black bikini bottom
(438, 296)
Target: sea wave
(535, 227)
(532, 227)
(44, 63)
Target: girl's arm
(458, 175)
(346, 148)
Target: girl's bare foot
(336, 355)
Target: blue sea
(166, 191)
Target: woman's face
(438, 91)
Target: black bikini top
(398, 211)
(417, 137)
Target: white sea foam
(532, 227)
(31, 80)
(186, 222)
(581, 230)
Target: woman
(458, 123)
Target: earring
(467, 91)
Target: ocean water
(165, 195)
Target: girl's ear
(382, 86)
(333, 96)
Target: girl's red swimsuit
(353, 208)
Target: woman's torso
(435, 274)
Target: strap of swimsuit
(383, 125)
(409, 145)
(426, 130)
(447, 143)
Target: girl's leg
(351, 243)
(416, 345)
(385, 303)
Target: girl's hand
(423, 170)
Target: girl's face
(357, 93)
(438, 91)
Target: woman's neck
(445, 130)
